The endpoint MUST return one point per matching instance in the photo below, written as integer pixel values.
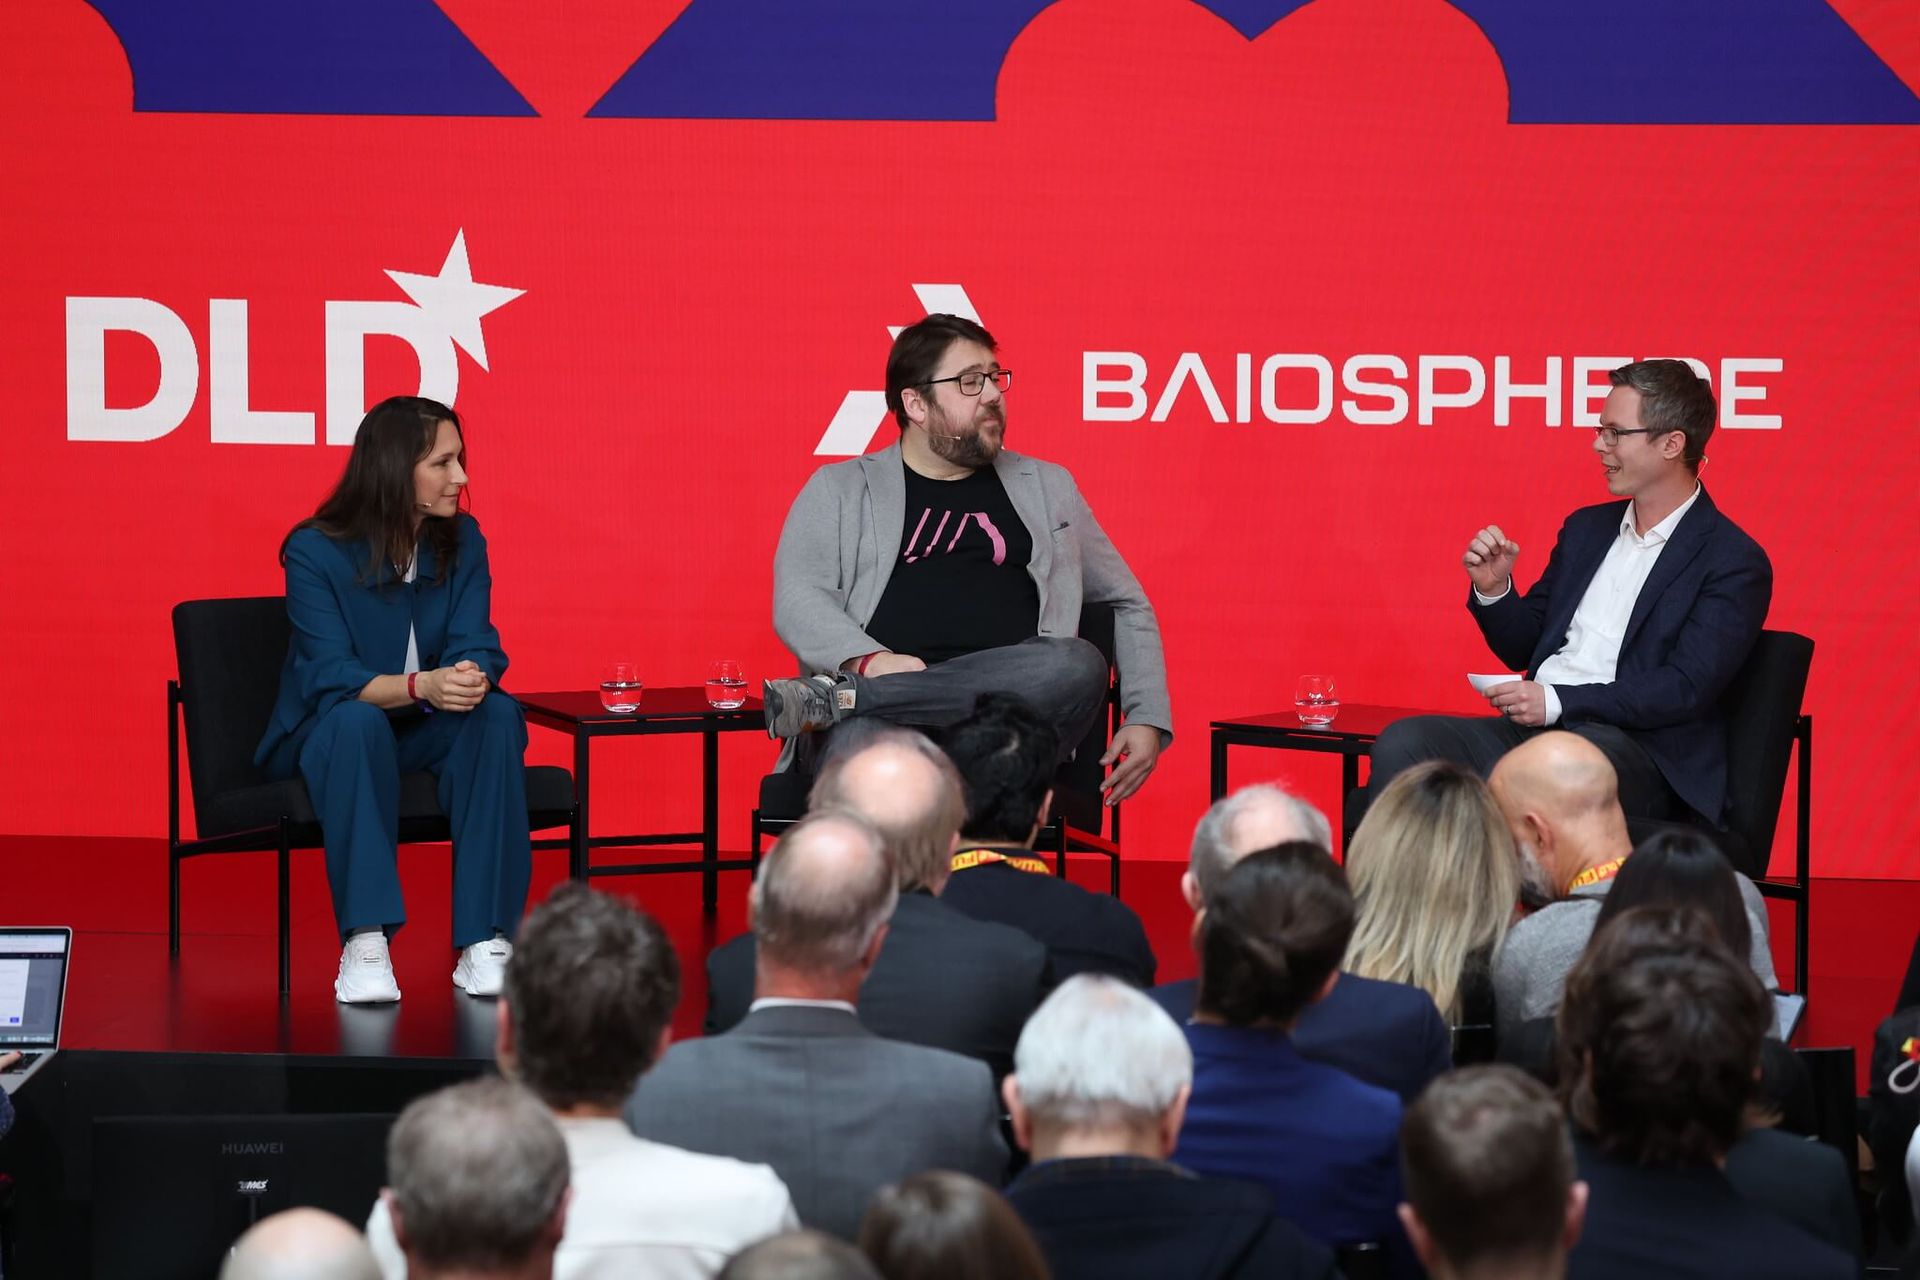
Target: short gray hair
(477, 1171)
(824, 890)
(1219, 839)
(917, 823)
(1099, 1052)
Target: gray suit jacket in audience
(836, 1110)
(1531, 970)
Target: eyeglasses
(1610, 436)
(973, 382)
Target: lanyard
(1594, 875)
(981, 857)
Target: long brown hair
(374, 499)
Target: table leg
(710, 819)
(1219, 780)
(578, 857)
(1349, 780)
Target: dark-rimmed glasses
(1610, 436)
(974, 381)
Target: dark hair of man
(1659, 1035)
(374, 498)
(1487, 1163)
(799, 1255)
(591, 984)
(917, 352)
(821, 923)
(1276, 924)
(947, 1226)
(477, 1171)
(1007, 755)
(1672, 398)
(1682, 869)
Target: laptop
(33, 992)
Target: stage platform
(205, 1036)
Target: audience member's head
(1100, 1070)
(799, 1255)
(1259, 816)
(946, 1226)
(909, 791)
(300, 1244)
(1007, 754)
(1271, 938)
(1659, 1039)
(1561, 800)
(1682, 869)
(1434, 877)
(589, 999)
(820, 906)
(1489, 1176)
(477, 1182)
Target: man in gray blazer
(799, 1084)
(910, 581)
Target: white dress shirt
(798, 1002)
(642, 1208)
(1592, 650)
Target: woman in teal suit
(393, 668)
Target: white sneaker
(483, 967)
(366, 971)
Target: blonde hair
(1435, 876)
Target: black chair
(1079, 812)
(230, 654)
(1764, 725)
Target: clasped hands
(1489, 563)
(459, 687)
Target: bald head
(1259, 816)
(300, 1244)
(824, 891)
(1561, 797)
(912, 795)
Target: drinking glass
(620, 687)
(1316, 701)
(726, 685)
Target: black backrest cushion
(1762, 706)
(230, 654)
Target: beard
(973, 448)
(1536, 888)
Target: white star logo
(453, 301)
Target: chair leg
(173, 899)
(1060, 854)
(285, 858)
(753, 849)
(1803, 857)
(1113, 873)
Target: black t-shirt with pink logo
(961, 583)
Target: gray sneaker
(795, 707)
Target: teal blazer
(347, 628)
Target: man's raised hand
(1489, 560)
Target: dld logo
(444, 313)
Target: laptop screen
(33, 982)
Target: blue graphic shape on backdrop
(1689, 62)
(1567, 62)
(344, 57)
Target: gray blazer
(836, 1110)
(842, 539)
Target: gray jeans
(1065, 679)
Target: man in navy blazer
(1387, 1034)
(1645, 612)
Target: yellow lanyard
(981, 857)
(1594, 875)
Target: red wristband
(860, 668)
(411, 695)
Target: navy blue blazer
(1384, 1033)
(348, 628)
(1694, 623)
(1101, 1217)
(1325, 1145)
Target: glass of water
(620, 687)
(1316, 701)
(726, 685)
